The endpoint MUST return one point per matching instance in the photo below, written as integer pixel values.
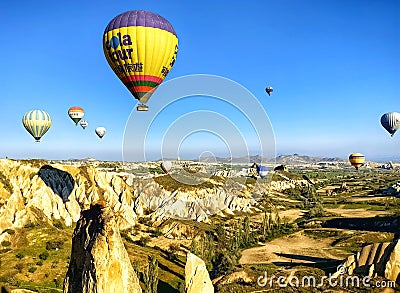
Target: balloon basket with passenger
(142, 107)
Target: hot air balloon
(391, 122)
(100, 131)
(36, 122)
(166, 166)
(141, 48)
(269, 90)
(262, 171)
(357, 160)
(76, 114)
(84, 123)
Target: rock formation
(99, 262)
(197, 279)
(378, 259)
(235, 277)
(394, 190)
(32, 190)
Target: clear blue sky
(334, 66)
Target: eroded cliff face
(195, 204)
(197, 279)
(32, 190)
(99, 262)
(378, 259)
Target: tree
(246, 231)
(172, 251)
(20, 255)
(278, 220)
(136, 267)
(150, 276)
(19, 266)
(265, 223)
(317, 211)
(54, 244)
(143, 241)
(44, 255)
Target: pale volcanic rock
(33, 190)
(197, 279)
(381, 259)
(99, 262)
(392, 268)
(197, 204)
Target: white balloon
(100, 131)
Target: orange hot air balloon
(141, 48)
(357, 160)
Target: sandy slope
(297, 247)
(357, 213)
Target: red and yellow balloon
(357, 160)
(76, 114)
(141, 48)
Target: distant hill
(294, 159)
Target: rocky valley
(89, 226)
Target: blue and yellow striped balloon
(36, 122)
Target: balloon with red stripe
(76, 114)
(141, 48)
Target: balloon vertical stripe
(37, 123)
(391, 122)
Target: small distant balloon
(100, 131)
(76, 114)
(269, 90)
(391, 122)
(37, 123)
(357, 160)
(166, 166)
(262, 171)
(84, 123)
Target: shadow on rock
(61, 182)
(163, 287)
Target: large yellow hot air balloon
(36, 122)
(141, 48)
(357, 160)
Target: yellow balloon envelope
(357, 160)
(141, 48)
